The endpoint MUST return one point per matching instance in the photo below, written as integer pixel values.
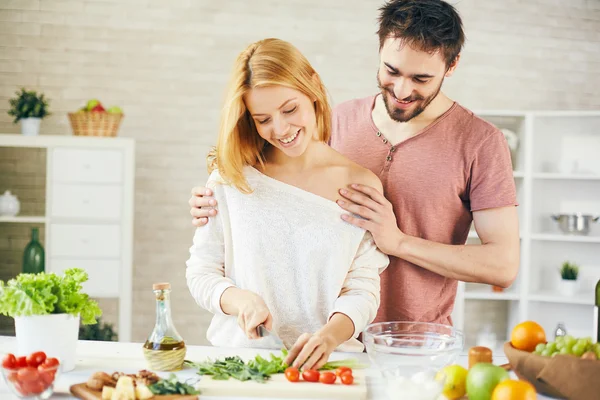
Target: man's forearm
(490, 263)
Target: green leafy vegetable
(349, 362)
(172, 386)
(258, 369)
(41, 294)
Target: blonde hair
(263, 63)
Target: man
(442, 168)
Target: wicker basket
(564, 376)
(95, 123)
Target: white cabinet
(73, 200)
(556, 170)
(89, 212)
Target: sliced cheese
(142, 392)
(124, 389)
(107, 392)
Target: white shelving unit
(24, 220)
(88, 219)
(557, 170)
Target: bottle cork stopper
(479, 354)
(161, 286)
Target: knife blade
(264, 332)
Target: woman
(277, 252)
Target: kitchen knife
(264, 332)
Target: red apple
(98, 108)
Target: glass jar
(164, 349)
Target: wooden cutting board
(81, 391)
(279, 386)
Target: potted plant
(29, 108)
(569, 284)
(47, 309)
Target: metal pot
(577, 224)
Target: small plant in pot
(29, 108)
(47, 309)
(569, 284)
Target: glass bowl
(31, 383)
(410, 354)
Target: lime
(455, 378)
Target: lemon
(455, 378)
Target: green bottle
(33, 256)
(597, 314)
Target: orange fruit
(526, 335)
(514, 390)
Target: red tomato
(35, 359)
(292, 374)
(50, 363)
(347, 379)
(12, 377)
(34, 387)
(28, 374)
(20, 389)
(341, 370)
(9, 361)
(327, 378)
(310, 375)
(21, 362)
(47, 377)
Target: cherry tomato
(340, 370)
(347, 379)
(327, 377)
(9, 361)
(20, 389)
(12, 377)
(292, 374)
(21, 362)
(50, 363)
(34, 387)
(28, 374)
(35, 359)
(47, 376)
(310, 375)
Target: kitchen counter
(128, 357)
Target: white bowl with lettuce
(47, 309)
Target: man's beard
(399, 115)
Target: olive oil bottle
(164, 349)
(597, 314)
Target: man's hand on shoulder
(201, 204)
(365, 199)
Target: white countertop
(127, 357)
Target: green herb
(28, 104)
(102, 331)
(569, 271)
(172, 386)
(41, 294)
(349, 362)
(258, 369)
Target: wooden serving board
(278, 386)
(81, 391)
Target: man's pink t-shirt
(434, 180)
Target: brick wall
(166, 63)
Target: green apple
(115, 110)
(91, 104)
(482, 378)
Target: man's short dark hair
(427, 25)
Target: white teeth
(290, 139)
